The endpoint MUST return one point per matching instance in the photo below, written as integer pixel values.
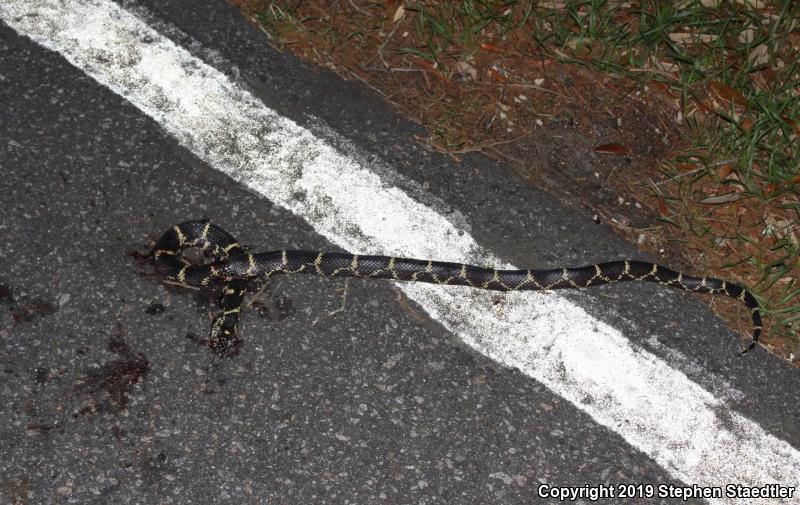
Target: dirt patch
(595, 139)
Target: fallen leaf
(747, 36)
(782, 228)
(623, 18)
(621, 221)
(561, 54)
(399, 13)
(497, 75)
(726, 198)
(685, 38)
(575, 42)
(763, 78)
(734, 182)
(747, 125)
(727, 93)
(612, 149)
(660, 86)
(662, 207)
(759, 55)
(703, 105)
(466, 71)
(427, 64)
(491, 48)
(666, 66)
(432, 67)
(725, 170)
(686, 166)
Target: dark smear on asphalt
(24, 309)
(109, 385)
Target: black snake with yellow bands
(235, 266)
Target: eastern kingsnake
(235, 266)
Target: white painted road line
(634, 393)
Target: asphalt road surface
(116, 123)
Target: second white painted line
(634, 393)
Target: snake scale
(234, 266)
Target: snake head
(223, 341)
(226, 347)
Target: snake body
(235, 266)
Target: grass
(724, 72)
